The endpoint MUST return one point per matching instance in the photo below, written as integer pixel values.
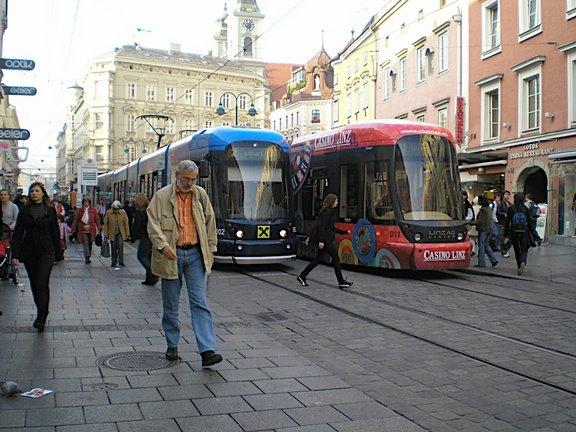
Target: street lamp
(251, 111)
(160, 127)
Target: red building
(522, 106)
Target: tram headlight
(239, 233)
(417, 237)
(283, 233)
(460, 236)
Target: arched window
(248, 46)
(315, 116)
(316, 82)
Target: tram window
(378, 202)
(348, 191)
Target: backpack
(519, 222)
(534, 211)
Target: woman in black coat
(36, 243)
(324, 235)
(519, 237)
(139, 231)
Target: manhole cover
(136, 361)
(104, 386)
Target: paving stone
(86, 372)
(316, 415)
(295, 371)
(141, 381)
(291, 361)
(118, 383)
(100, 427)
(257, 421)
(203, 377)
(149, 426)
(12, 418)
(272, 401)
(134, 395)
(284, 385)
(188, 391)
(221, 405)
(314, 428)
(233, 388)
(323, 382)
(396, 424)
(219, 423)
(243, 375)
(365, 410)
(54, 416)
(168, 409)
(112, 413)
(251, 363)
(331, 397)
(81, 398)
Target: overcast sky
(61, 36)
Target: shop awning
(476, 158)
(563, 157)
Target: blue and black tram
(246, 173)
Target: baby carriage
(7, 269)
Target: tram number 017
(220, 231)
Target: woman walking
(36, 242)
(324, 239)
(86, 224)
(116, 228)
(484, 225)
(517, 229)
(139, 232)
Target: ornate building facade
(306, 107)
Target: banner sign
(17, 64)
(459, 120)
(19, 91)
(14, 134)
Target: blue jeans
(191, 268)
(485, 249)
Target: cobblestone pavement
(427, 351)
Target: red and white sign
(5, 145)
(459, 120)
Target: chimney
(174, 48)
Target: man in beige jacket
(182, 228)
(116, 228)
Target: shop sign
(531, 150)
(459, 120)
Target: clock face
(248, 25)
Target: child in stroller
(7, 270)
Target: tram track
(411, 334)
(444, 319)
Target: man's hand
(169, 253)
(321, 245)
(15, 262)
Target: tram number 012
(220, 231)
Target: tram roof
(369, 133)
(219, 137)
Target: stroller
(7, 269)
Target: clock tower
(244, 27)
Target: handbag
(98, 240)
(105, 249)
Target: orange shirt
(187, 229)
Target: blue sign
(17, 64)
(14, 134)
(19, 91)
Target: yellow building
(355, 79)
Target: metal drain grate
(136, 361)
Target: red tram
(399, 190)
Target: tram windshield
(255, 187)
(427, 179)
